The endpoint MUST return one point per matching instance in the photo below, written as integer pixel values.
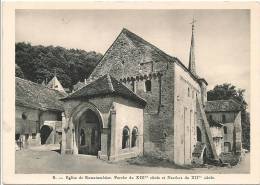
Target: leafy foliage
(39, 63)
(227, 91)
(18, 72)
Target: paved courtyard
(41, 161)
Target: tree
(18, 72)
(227, 91)
(37, 63)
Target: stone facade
(228, 114)
(114, 116)
(29, 123)
(169, 88)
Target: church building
(141, 101)
(161, 112)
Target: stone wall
(28, 126)
(131, 118)
(185, 110)
(126, 113)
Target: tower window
(188, 92)
(148, 85)
(223, 118)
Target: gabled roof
(223, 106)
(55, 84)
(33, 95)
(105, 85)
(156, 52)
(149, 49)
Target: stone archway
(88, 133)
(85, 122)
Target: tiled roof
(33, 95)
(103, 86)
(78, 85)
(222, 106)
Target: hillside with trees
(39, 63)
(227, 91)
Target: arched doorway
(45, 134)
(89, 133)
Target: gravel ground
(49, 162)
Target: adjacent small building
(35, 107)
(103, 118)
(228, 114)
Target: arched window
(134, 137)
(199, 135)
(225, 129)
(148, 85)
(224, 118)
(82, 137)
(188, 92)
(125, 137)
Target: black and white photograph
(132, 91)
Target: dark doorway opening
(89, 134)
(45, 134)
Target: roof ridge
(40, 85)
(159, 51)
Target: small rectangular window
(148, 85)
(33, 135)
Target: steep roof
(33, 95)
(156, 52)
(103, 86)
(55, 84)
(222, 106)
(147, 48)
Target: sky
(222, 37)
